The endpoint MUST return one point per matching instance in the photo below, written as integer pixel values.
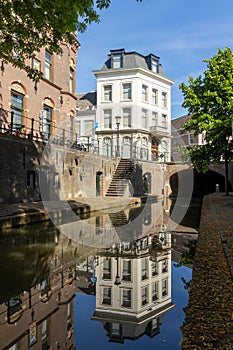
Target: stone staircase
(119, 222)
(120, 178)
(118, 219)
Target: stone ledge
(209, 316)
(19, 214)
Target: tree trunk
(226, 176)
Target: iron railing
(42, 129)
(16, 124)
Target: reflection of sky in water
(90, 334)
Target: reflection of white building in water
(122, 225)
(133, 289)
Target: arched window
(107, 141)
(144, 140)
(107, 146)
(126, 139)
(17, 102)
(126, 147)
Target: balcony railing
(44, 130)
(36, 129)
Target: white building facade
(85, 120)
(133, 290)
(133, 107)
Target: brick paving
(209, 316)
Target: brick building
(182, 137)
(50, 103)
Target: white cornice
(118, 72)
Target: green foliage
(209, 101)
(27, 26)
(187, 257)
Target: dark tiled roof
(179, 122)
(134, 60)
(86, 100)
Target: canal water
(107, 281)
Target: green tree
(28, 25)
(209, 101)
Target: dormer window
(116, 61)
(154, 65)
(117, 58)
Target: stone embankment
(209, 316)
(19, 214)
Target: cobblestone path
(209, 317)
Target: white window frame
(107, 93)
(127, 91)
(106, 296)
(126, 270)
(88, 126)
(48, 65)
(164, 287)
(164, 265)
(107, 268)
(154, 65)
(126, 298)
(164, 99)
(144, 93)
(144, 295)
(117, 61)
(191, 138)
(107, 118)
(144, 118)
(154, 118)
(154, 291)
(164, 120)
(154, 96)
(154, 268)
(126, 112)
(144, 269)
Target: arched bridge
(202, 183)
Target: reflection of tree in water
(187, 257)
(24, 255)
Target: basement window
(31, 177)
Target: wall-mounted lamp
(117, 278)
(118, 120)
(61, 100)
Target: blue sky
(182, 33)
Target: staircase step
(122, 172)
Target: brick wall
(56, 90)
